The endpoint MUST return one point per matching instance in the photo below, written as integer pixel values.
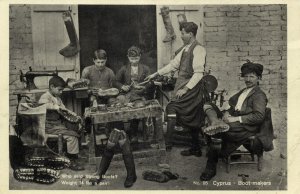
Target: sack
(33, 121)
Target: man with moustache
(246, 114)
(186, 105)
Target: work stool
(59, 139)
(250, 141)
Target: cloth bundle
(33, 119)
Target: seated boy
(99, 76)
(55, 125)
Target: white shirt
(134, 70)
(51, 101)
(241, 100)
(198, 64)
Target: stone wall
(20, 50)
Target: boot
(73, 48)
(181, 19)
(211, 164)
(168, 25)
(130, 167)
(195, 149)
(103, 166)
(170, 130)
(216, 124)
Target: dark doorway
(115, 28)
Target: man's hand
(151, 77)
(125, 88)
(56, 107)
(63, 109)
(233, 119)
(225, 117)
(181, 92)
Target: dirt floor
(272, 177)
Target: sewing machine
(29, 76)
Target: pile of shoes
(44, 170)
(56, 163)
(38, 175)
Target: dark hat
(134, 51)
(100, 54)
(250, 67)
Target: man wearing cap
(127, 79)
(246, 113)
(98, 75)
(186, 106)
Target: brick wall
(235, 33)
(20, 50)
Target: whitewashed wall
(165, 51)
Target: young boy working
(55, 124)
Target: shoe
(102, 167)
(170, 175)
(155, 176)
(190, 152)
(207, 175)
(130, 168)
(75, 166)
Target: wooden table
(153, 110)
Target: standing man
(127, 80)
(246, 113)
(186, 106)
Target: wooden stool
(59, 139)
(241, 153)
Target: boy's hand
(95, 91)
(56, 107)
(63, 109)
(125, 88)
